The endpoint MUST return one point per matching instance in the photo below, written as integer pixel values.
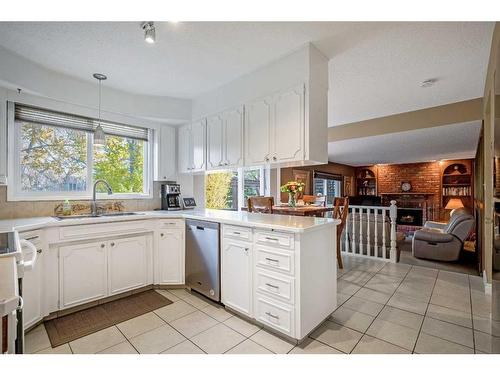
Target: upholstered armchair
(443, 241)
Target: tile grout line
(425, 314)
(472, 318)
(385, 304)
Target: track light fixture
(149, 32)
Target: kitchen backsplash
(19, 209)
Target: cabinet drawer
(274, 314)
(35, 237)
(275, 239)
(172, 223)
(274, 259)
(277, 286)
(239, 233)
(89, 230)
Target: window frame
(14, 192)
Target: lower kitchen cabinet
(170, 256)
(127, 264)
(237, 276)
(83, 273)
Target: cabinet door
(127, 264)
(82, 273)
(288, 129)
(237, 276)
(32, 291)
(171, 256)
(257, 132)
(233, 138)
(166, 154)
(198, 146)
(215, 125)
(184, 149)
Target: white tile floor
(383, 308)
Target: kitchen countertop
(296, 224)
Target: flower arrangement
(292, 188)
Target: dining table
(305, 210)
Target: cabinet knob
(102, 245)
(112, 244)
(275, 158)
(161, 234)
(39, 251)
(266, 159)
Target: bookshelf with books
(456, 182)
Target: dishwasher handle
(199, 228)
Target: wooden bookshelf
(457, 182)
(366, 182)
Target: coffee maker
(170, 197)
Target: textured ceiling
(375, 67)
(444, 142)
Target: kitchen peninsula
(277, 270)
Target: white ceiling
(455, 141)
(375, 67)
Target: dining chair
(260, 204)
(340, 211)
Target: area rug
(81, 323)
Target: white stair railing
(370, 232)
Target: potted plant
(292, 188)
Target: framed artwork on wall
(348, 186)
(304, 176)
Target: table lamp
(453, 204)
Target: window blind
(52, 118)
(327, 176)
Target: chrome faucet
(93, 204)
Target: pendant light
(99, 136)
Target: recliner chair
(440, 241)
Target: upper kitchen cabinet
(192, 147)
(225, 139)
(166, 155)
(275, 128)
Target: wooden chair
(261, 204)
(340, 211)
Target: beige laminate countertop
(296, 224)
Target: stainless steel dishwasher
(203, 258)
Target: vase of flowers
(292, 188)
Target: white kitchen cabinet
(215, 141)
(237, 276)
(166, 155)
(170, 261)
(33, 281)
(274, 128)
(225, 139)
(82, 273)
(192, 147)
(288, 137)
(127, 264)
(258, 126)
(184, 149)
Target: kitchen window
(54, 157)
(328, 185)
(230, 190)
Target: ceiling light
(428, 82)
(99, 136)
(149, 32)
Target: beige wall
(454, 113)
(20, 209)
(484, 199)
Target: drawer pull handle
(271, 315)
(237, 233)
(272, 239)
(271, 260)
(273, 286)
(31, 238)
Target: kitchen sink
(100, 215)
